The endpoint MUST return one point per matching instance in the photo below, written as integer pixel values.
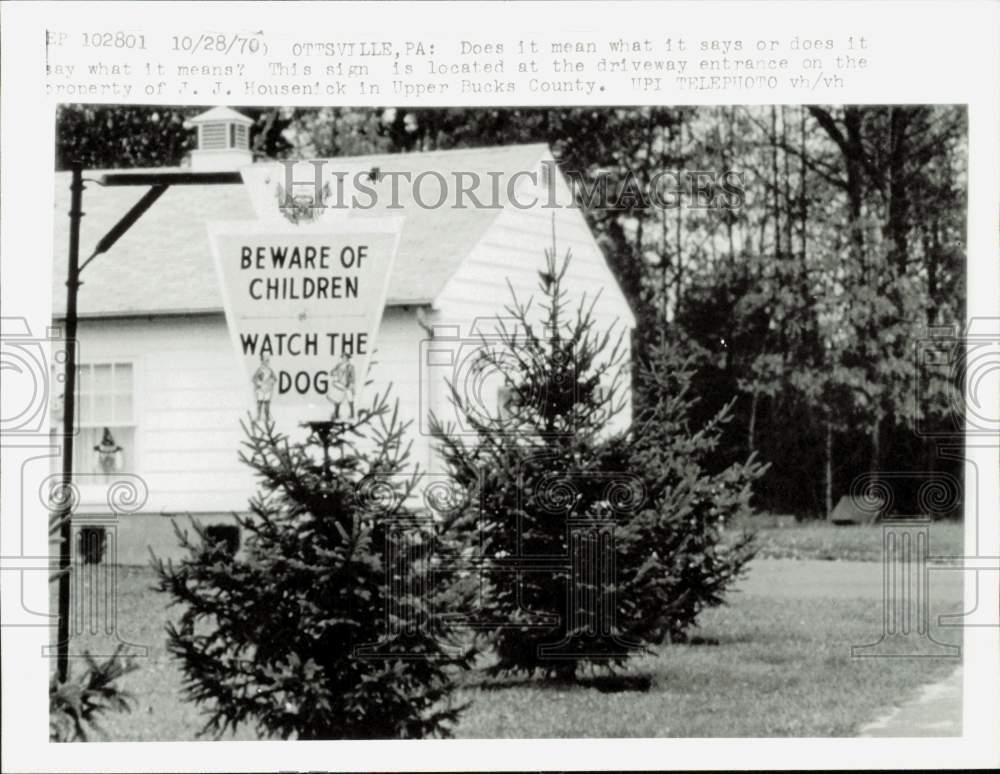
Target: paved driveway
(937, 711)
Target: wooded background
(806, 305)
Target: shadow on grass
(619, 683)
(610, 683)
(698, 640)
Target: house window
(105, 444)
(92, 544)
(225, 535)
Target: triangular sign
(304, 300)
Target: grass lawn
(774, 662)
(812, 540)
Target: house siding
(187, 410)
(513, 250)
(190, 397)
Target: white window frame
(93, 491)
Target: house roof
(163, 264)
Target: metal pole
(159, 182)
(69, 421)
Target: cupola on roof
(223, 140)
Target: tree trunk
(828, 469)
(679, 236)
(850, 143)
(803, 201)
(897, 208)
(876, 440)
(776, 184)
(664, 278)
(932, 248)
(726, 163)
(789, 198)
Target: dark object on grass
(851, 510)
(615, 683)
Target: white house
(157, 366)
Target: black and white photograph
(500, 386)
(499, 422)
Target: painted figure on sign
(263, 387)
(107, 453)
(342, 385)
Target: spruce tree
(327, 624)
(595, 538)
(688, 542)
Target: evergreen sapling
(327, 625)
(595, 537)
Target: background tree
(129, 136)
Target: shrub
(75, 706)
